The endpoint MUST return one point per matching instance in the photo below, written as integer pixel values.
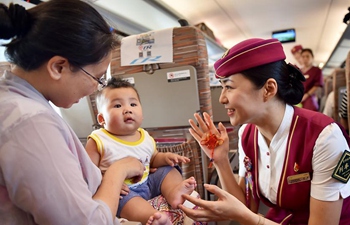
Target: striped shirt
(343, 110)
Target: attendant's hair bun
(15, 21)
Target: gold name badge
(342, 170)
(298, 178)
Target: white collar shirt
(328, 149)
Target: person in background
(288, 156)
(296, 52)
(343, 112)
(314, 81)
(327, 98)
(60, 51)
(329, 105)
(120, 114)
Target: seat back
(189, 49)
(328, 85)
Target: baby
(120, 114)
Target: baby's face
(122, 111)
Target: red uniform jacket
(293, 200)
(313, 78)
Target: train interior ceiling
(318, 24)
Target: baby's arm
(91, 149)
(167, 158)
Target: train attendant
(296, 52)
(294, 160)
(314, 80)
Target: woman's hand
(200, 132)
(227, 207)
(112, 182)
(129, 166)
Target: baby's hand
(152, 169)
(124, 191)
(173, 159)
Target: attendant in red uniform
(314, 80)
(296, 51)
(294, 160)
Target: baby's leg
(159, 218)
(138, 209)
(173, 187)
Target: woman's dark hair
(69, 28)
(288, 78)
(307, 50)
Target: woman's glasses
(102, 82)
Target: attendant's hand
(227, 207)
(200, 131)
(173, 159)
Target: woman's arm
(50, 177)
(317, 80)
(313, 90)
(310, 93)
(325, 213)
(327, 192)
(113, 179)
